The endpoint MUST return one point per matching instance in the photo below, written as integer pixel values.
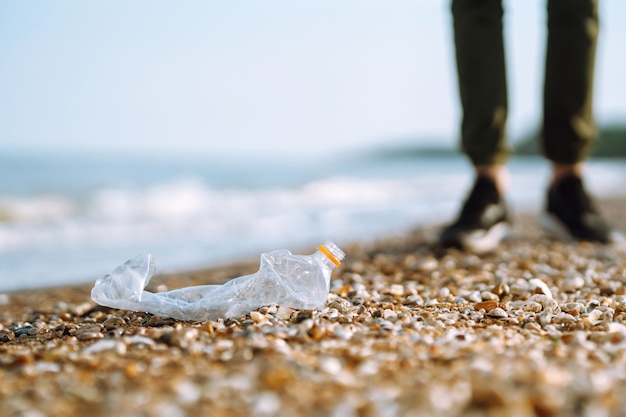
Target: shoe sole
(482, 242)
(555, 227)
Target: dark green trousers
(568, 128)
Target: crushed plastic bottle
(296, 281)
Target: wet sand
(536, 329)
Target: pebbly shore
(536, 329)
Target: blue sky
(260, 75)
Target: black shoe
(571, 215)
(483, 222)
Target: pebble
(497, 313)
(573, 283)
(187, 392)
(502, 290)
(527, 305)
(331, 365)
(43, 367)
(396, 289)
(426, 264)
(285, 313)
(26, 331)
(546, 302)
(573, 306)
(594, 316)
(489, 296)
(592, 305)
(341, 304)
(106, 345)
(460, 300)
(89, 331)
(257, 317)
(113, 323)
(139, 340)
(564, 318)
(389, 314)
(6, 337)
(266, 404)
(160, 321)
(474, 296)
(81, 308)
(444, 292)
(183, 337)
(619, 304)
(415, 299)
(486, 305)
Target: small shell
(540, 286)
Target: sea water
(70, 218)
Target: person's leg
(483, 220)
(568, 123)
(482, 79)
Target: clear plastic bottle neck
(331, 253)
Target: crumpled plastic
(295, 281)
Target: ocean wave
(56, 238)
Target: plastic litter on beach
(285, 279)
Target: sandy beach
(536, 329)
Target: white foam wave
(190, 208)
(36, 209)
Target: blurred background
(209, 131)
